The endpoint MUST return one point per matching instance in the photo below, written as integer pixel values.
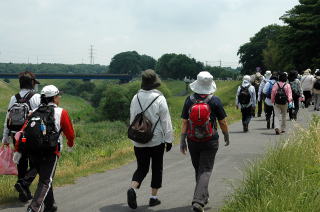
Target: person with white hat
(200, 114)
(261, 96)
(307, 81)
(246, 101)
(49, 121)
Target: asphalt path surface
(106, 192)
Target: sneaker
(283, 131)
(132, 198)
(29, 209)
(23, 192)
(197, 207)
(277, 131)
(53, 208)
(154, 202)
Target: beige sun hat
(308, 71)
(204, 84)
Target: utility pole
(220, 63)
(91, 55)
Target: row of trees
(283, 48)
(52, 68)
(168, 66)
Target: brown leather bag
(140, 129)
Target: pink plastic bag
(7, 166)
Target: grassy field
(101, 145)
(287, 179)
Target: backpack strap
(206, 100)
(18, 97)
(148, 105)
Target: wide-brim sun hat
(308, 71)
(268, 74)
(150, 80)
(246, 78)
(204, 84)
(50, 91)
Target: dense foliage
(52, 68)
(283, 48)
(131, 63)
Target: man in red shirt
(45, 161)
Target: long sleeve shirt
(307, 82)
(252, 92)
(287, 90)
(266, 90)
(163, 131)
(34, 103)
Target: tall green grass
(287, 179)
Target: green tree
(301, 41)
(251, 53)
(147, 62)
(178, 66)
(126, 63)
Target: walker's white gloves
(16, 157)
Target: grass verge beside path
(287, 179)
(104, 145)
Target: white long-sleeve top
(307, 82)
(262, 84)
(34, 103)
(163, 131)
(252, 92)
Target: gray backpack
(18, 112)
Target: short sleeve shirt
(217, 110)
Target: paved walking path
(106, 192)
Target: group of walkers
(200, 115)
(35, 122)
(281, 92)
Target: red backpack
(200, 126)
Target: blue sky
(61, 31)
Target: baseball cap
(50, 91)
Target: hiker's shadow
(144, 208)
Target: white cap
(50, 91)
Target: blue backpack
(268, 94)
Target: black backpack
(40, 134)
(244, 96)
(140, 129)
(281, 96)
(19, 111)
(316, 85)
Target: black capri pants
(144, 156)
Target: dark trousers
(294, 111)
(269, 112)
(307, 98)
(202, 156)
(260, 107)
(46, 167)
(246, 115)
(26, 171)
(144, 155)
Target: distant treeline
(168, 66)
(52, 68)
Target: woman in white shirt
(150, 99)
